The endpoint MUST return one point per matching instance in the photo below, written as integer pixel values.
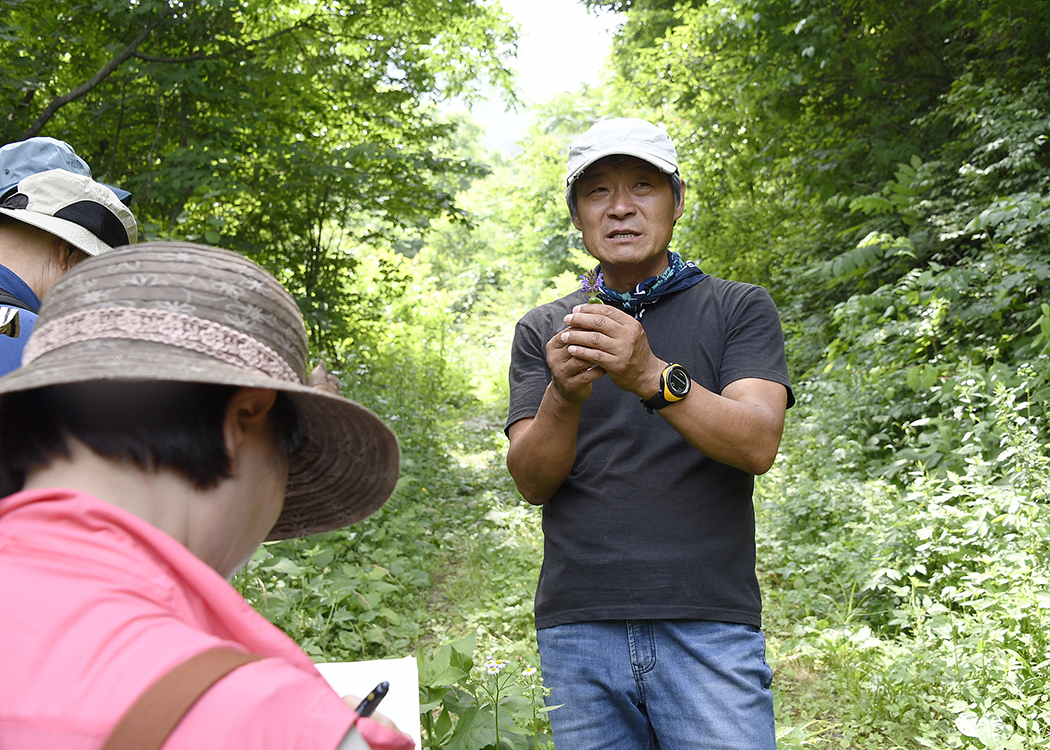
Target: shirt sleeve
(528, 375)
(754, 346)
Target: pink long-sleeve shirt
(96, 605)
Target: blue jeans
(646, 684)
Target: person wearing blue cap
(641, 409)
(52, 216)
(41, 154)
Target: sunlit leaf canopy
(288, 131)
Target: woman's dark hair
(151, 425)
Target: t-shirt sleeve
(754, 346)
(266, 705)
(528, 374)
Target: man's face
(626, 211)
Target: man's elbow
(761, 459)
(532, 495)
(533, 498)
(760, 466)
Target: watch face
(678, 381)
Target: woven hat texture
(184, 312)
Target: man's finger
(596, 317)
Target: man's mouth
(622, 235)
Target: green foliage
(921, 602)
(212, 100)
(470, 707)
(298, 134)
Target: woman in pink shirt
(162, 426)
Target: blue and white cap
(21, 159)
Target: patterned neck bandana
(679, 275)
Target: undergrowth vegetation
(911, 609)
(904, 533)
(446, 570)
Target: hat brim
(73, 233)
(121, 193)
(663, 165)
(347, 463)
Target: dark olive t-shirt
(645, 527)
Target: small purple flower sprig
(592, 283)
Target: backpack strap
(9, 300)
(155, 714)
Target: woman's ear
(247, 414)
(71, 256)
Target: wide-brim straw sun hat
(175, 311)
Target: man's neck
(625, 279)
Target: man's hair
(151, 425)
(574, 206)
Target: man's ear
(575, 215)
(247, 413)
(680, 208)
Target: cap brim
(347, 463)
(619, 150)
(69, 231)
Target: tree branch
(247, 47)
(104, 72)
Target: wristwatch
(674, 385)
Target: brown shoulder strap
(155, 714)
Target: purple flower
(592, 284)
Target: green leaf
(449, 666)
(284, 566)
(475, 729)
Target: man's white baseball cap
(629, 136)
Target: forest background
(881, 166)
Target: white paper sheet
(401, 704)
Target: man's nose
(622, 203)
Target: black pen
(368, 705)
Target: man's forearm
(543, 449)
(740, 428)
